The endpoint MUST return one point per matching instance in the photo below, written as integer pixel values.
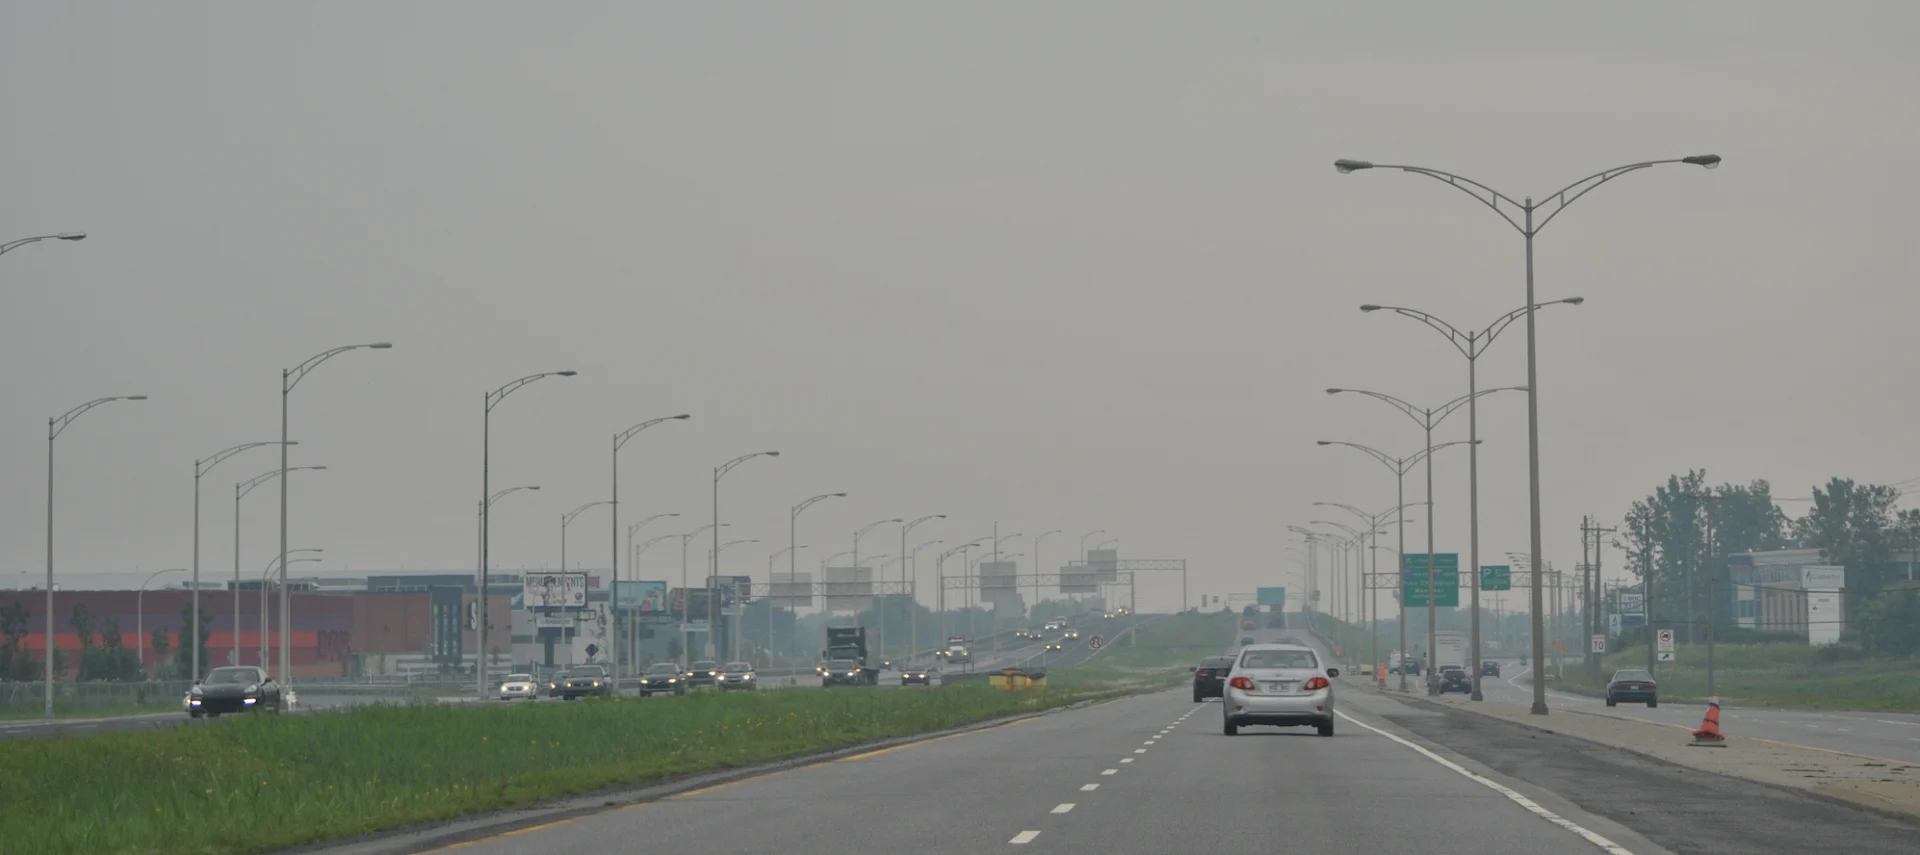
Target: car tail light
(1241, 683)
(1315, 684)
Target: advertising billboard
(694, 603)
(641, 598)
(554, 590)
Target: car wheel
(193, 714)
(1610, 700)
(1326, 728)
(1197, 697)
(1229, 728)
(1653, 703)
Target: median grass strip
(270, 782)
(1772, 675)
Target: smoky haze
(1072, 265)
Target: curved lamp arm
(59, 423)
(292, 376)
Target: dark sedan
(234, 689)
(661, 678)
(703, 673)
(1453, 678)
(1490, 668)
(1210, 677)
(915, 677)
(1634, 686)
(586, 681)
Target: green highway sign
(1276, 597)
(1413, 579)
(1496, 577)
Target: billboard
(1105, 564)
(645, 598)
(1078, 579)
(792, 590)
(1276, 597)
(694, 603)
(553, 590)
(849, 589)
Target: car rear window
(1278, 659)
(1640, 676)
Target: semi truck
(850, 643)
(956, 651)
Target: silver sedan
(1282, 685)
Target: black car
(585, 681)
(1489, 668)
(706, 672)
(241, 688)
(1453, 678)
(662, 678)
(1210, 677)
(842, 672)
(1633, 685)
(916, 677)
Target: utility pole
(1591, 587)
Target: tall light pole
(633, 634)
(55, 426)
(631, 559)
(713, 595)
(1472, 343)
(613, 530)
(12, 245)
(1427, 418)
(940, 579)
(266, 573)
(200, 468)
(793, 549)
(289, 378)
(856, 552)
(913, 601)
(240, 490)
(720, 472)
(1106, 543)
(1083, 541)
(904, 528)
(686, 591)
(1369, 603)
(787, 550)
(1551, 206)
(492, 399)
(1400, 466)
(1041, 537)
(140, 623)
(566, 519)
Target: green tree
(16, 663)
(183, 657)
(110, 659)
(1855, 526)
(1667, 535)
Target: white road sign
(1663, 656)
(1095, 643)
(1663, 642)
(1599, 643)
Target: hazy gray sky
(1063, 265)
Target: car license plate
(1282, 687)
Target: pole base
(1476, 696)
(1538, 709)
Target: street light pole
(55, 426)
(793, 572)
(913, 600)
(240, 490)
(713, 594)
(266, 624)
(718, 473)
(1369, 603)
(789, 549)
(631, 558)
(1471, 344)
(1552, 205)
(12, 245)
(857, 534)
(1427, 418)
(491, 400)
(289, 378)
(140, 624)
(566, 519)
(686, 591)
(200, 468)
(633, 632)
(613, 585)
(904, 528)
(1039, 538)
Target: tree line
(1682, 534)
(103, 655)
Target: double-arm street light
(633, 637)
(1400, 466)
(201, 468)
(55, 426)
(613, 530)
(857, 534)
(566, 519)
(632, 556)
(1551, 206)
(1472, 343)
(720, 472)
(266, 573)
(12, 245)
(493, 399)
(240, 490)
(905, 527)
(1369, 603)
(940, 577)
(1427, 418)
(289, 378)
(140, 623)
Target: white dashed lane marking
(1109, 771)
(1063, 807)
(1088, 788)
(1024, 837)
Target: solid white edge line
(1024, 837)
(1062, 807)
(1533, 807)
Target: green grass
(1774, 675)
(270, 782)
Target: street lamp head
(135, 398)
(1574, 301)
(682, 417)
(316, 468)
(533, 486)
(1709, 161)
(771, 453)
(1344, 166)
(1370, 308)
(1323, 442)
(1335, 391)
(71, 236)
(565, 373)
(381, 345)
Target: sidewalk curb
(1890, 813)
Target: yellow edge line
(716, 787)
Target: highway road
(1154, 774)
(1892, 736)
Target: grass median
(1767, 675)
(271, 782)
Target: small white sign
(1599, 643)
(1096, 642)
(555, 621)
(1663, 656)
(1663, 642)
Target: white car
(519, 686)
(1282, 685)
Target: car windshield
(519, 678)
(705, 666)
(663, 669)
(232, 676)
(1632, 674)
(585, 672)
(839, 664)
(738, 668)
(1217, 662)
(1278, 659)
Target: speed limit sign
(1096, 642)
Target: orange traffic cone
(1709, 736)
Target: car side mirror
(1191, 669)
(1333, 672)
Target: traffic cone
(1709, 736)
